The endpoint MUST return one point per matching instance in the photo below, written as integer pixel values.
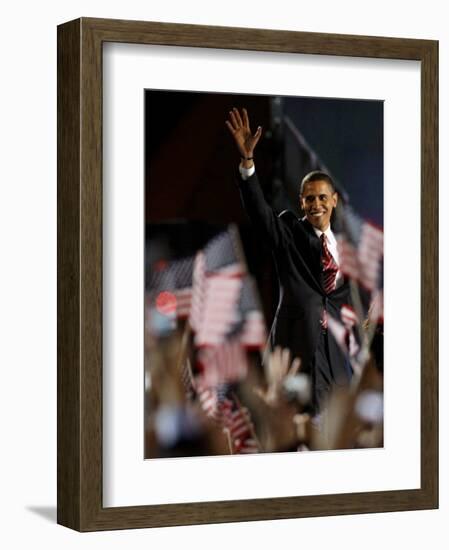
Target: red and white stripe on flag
(238, 422)
(218, 311)
(343, 332)
(254, 333)
(213, 407)
(198, 283)
(362, 262)
(348, 316)
(183, 302)
(226, 363)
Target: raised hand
(277, 368)
(239, 127)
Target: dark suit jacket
(297, 254)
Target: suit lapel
(314, 250)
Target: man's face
(318, 201)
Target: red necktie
(329, 265)
(330, 270)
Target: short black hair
(316, 175)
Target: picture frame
(80, 272)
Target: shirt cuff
(246, 172)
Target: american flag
(250, 322)
(227, 412)
(198, 287)
(343, 331)
(171, 286)
(360, 249)
(226, 363)
(214, 402)
(238, 423)
(217, 273)
(218, 310)
(254, 333)
(224, 254)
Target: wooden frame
(80, 274)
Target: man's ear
(335, 197)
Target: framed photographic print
(247, 274)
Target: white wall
(28, 273)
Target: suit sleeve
(267, 223)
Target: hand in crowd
(277, 369)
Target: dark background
(191, 164)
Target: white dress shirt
(246, 172)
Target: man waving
(306, 257)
